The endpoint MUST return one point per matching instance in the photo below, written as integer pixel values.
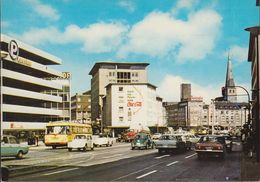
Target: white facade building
(25, 85)
(132, 105)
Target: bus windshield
(57, 129)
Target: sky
(184, 41)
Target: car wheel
(160, 151)
(19, 155)
(5, 174)
(92, 148)
(85, 148)
(133, 148)
(69, 149)
(152, 146)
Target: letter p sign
(13, 50)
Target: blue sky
(183, 40)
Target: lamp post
(3, 55)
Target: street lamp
(3, 55)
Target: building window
(121, 109)
(79, 99)
(121, 119)
(120, 89)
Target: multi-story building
(104, 73)
(25, 77)
(132, 105)
(81, 106)
(185, 91)
(228, 114)
(254, 58)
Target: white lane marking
(175, 162)
(129, 174)
(162, 156)
(190, 156)
(112, 156)
(59, 171)
(146, 174)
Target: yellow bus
(60, 133)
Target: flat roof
(30, 52)
(148, 84)
(98, 65)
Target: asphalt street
(119, 163)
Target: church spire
(229, 75)
(230, 89)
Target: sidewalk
(250, 169)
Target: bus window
(49, 129)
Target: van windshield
(56, 129)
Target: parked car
(211, 145)
(102, 140)
(10, 147)
(81, 141)
(142, 140)
(169, 142)
(4, 173)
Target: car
(102, 140)
(211, 145)
(4, 173)
(142, 140)
(11, 147)
(229, 142)
(81, 141)
(185, 139)
(156, 136)
(169, 142)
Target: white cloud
(128, 5)
(44, 10)
(169, 89)
(184, 4)
(160, 34)
(238, 53)
(96, 38)
(99, 37)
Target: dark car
(211, 145)
(142, 140)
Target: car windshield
(211, 139)
(140, 137)
(167, 137)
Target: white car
(101, 140)
(81, 141)
(169, 142)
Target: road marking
(146, 174)
(47, 174)
(112, 156)
(162, 156)
(175, 162)
(190, 156)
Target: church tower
(230, 89)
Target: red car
(211, 145)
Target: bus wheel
(69, 149)
(53, 147)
